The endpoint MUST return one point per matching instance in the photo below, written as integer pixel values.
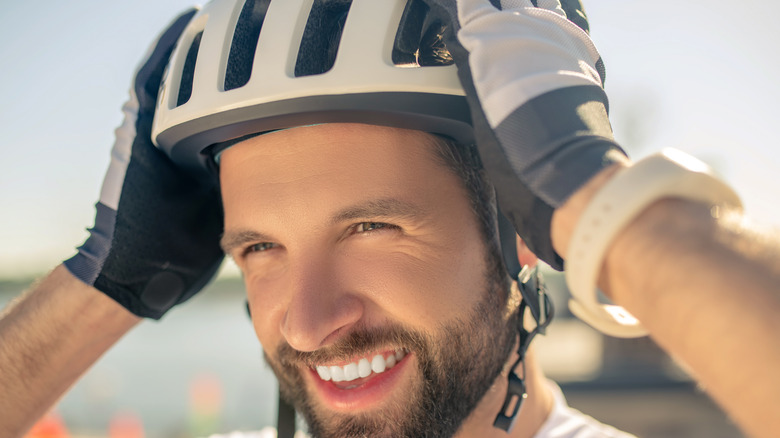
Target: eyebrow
(234, 239)
(387, 208)
(380, 208)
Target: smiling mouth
(360, 368)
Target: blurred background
(699, 76)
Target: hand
(155, 242)
(533, 80)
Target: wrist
(81, 317)
(50, 336)
(620, 200)
(684, 225)
(659, 253)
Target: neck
(533, 413)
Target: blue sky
(701, 80)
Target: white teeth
(350, 372)
(324, 373)
(337, 373)
(378, 364)
(390, 361)
(362, 368)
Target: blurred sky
(699, 75)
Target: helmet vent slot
(188, 72)
(419, 41)
(244, 45)
(321, 37)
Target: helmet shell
(198, 107)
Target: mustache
(359, 341)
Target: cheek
(265, 316)
(416, 288)
(418, 283)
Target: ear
(524, 255)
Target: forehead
(326, 136)
(331, 154)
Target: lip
(366, 396)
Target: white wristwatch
(668, 174)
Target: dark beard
(458, 364)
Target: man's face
(366, 278)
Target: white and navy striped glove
(533, 79)
(155, 242)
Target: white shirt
(566, 422)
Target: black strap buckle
(535, 298)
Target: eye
(364, 227)
(371, 227)
(260, 247)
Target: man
(380, 306)
(356, 241)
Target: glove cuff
(92, 255)
(155, 295)
(558, 140)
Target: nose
(320, 308)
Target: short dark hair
(463, 160)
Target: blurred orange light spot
(125, 425)
(50, 426)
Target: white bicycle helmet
(249, 66)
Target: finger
(469, 10)
(517, 4)
(551, 5)
(569, 9)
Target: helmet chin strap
(536, 300)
